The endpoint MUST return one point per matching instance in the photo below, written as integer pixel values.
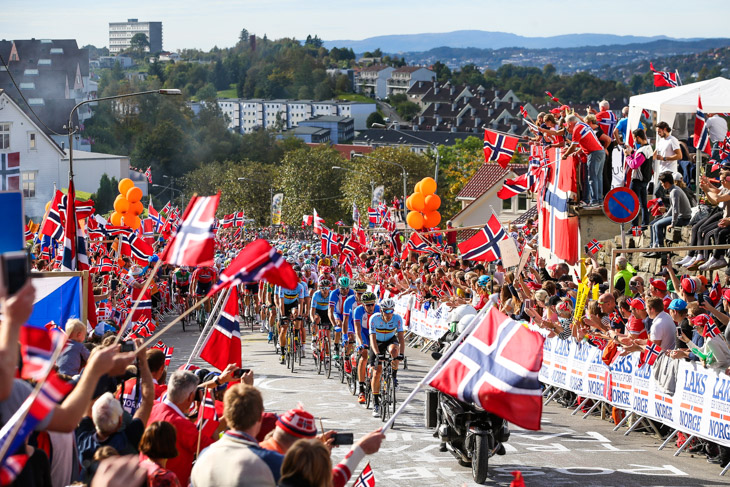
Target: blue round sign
(621, 205)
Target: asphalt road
(568, 450)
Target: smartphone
(238, 373)
(343, 439)
(127, 346)
(15, 270)
(664, 260)
(679, 333)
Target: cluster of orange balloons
(127, 205)
(424, 204)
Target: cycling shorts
(324, 317)
(203, 288)
(183, 288)
(252, 287)
(290, 306)
(383, 348)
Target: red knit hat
(298, 422)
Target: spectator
(129, 390)
(75, 354)
(246, 463)
(717, 129)
(667, 151)
(663, 329)
(639, 323)
(622, 276)
(307, 464)
(679, 213)
(451, 236)
(156, 447)
(640, 161)
(294, 425)
(584, 138)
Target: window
(522, 202)
(27, 86)
(507, 204)
(32, 141)
(4, 136)
(45, 62)
(30, 72)
(56, 50)
(28, 180)
(36, 101)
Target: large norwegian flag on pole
(513, 187)
(558, 229)
(702, 135)
(664, 78)
(330, 244)
(74, 242)
(496, 367)
(485, 244)
(194, 242)
(223, 345)
(499, 147)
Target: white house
(404, 77)
(373, 80)
(44, 165)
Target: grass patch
(229, 93)
(355, 97)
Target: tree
(139, 43)
(104, 196)
(243, 36)
(374, 117)
(207, 92)
(459, 162)
(323, 91)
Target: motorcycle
(470, 433)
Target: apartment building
(121, 33)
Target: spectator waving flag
(36, 349)
(594, 246)
(194, 242)
(496, 367)
(154, 216)
(650, 353)
(74, 245)
(558, 229)
(485, 244)
(366, 478)
(167, 350)
(329, 242)
(223, 345)
(257, 261)
(53, 225)
(136, 248)
(499, 147)
(701, 135)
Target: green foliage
(105, 195)
(374, 117)
(406, 109)
(458, 164)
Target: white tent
(682, 99)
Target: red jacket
(187, 440)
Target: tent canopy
(715, 95)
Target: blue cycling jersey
(292, 295)
(350, 304)
(385, 330)
(337, 301)
(361, 315)
(319, 302)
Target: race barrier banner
(700, 404)
(429, 323)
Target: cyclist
(337, 305)
(291, 303)
(309, 276)
(181, 281)
(266, 298)
(319, 308)
(202, 281)
(386, 335)
(351, 303)
(251, 291)
(361, 318)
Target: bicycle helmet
(482, 281)
(360, 287)
(326, 269)
(387, 304)
(343, 282)
(368, 298)
(325, 283)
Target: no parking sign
(621, 205)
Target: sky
(203, 24)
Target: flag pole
(155, 337)
(225, 292)
(137, 301)
(437, 366)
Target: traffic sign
(621, 205)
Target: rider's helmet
(324, 283)
(343, 282)
(360, 287)
(387, 305)
(482, 281)
(368, 298)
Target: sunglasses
(388, 311)
(367, 305)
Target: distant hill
(484, 40)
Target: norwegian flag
(359, 234)
(148, 174)
(145, 327)
(167, 350)
(513, 187)
(95, 228)
(208, 419)
(239, 218)
(607, 121)
(499, 147)
(417, 244)
(646, 114)
(702, 135)
(553, 98)
(716, 290)
(382, 209)
(35, 409)
(53, 225)
(339, 223)
(237, 233)
(650, 353)
(136, 248)
(665, 78)
(12, 467)
(496, 367)
(167, 208)
(258, 260)
(10, 171)
(194, 242)
(710, 329)
(36, 349)
(636, 231)
(154, 216)
(227, 221)
(594, 246)
(373, 216)
(366, 478)
(396, 245)
(74, 244)
(105, 265)
(355, 213)
(329, 242)
(523, 112)
(724, 147)
(223, 345)
(558, 229)
(28, 233)
(485, 244)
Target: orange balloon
(134, 194)
(417, 188)
(124, 186)
(432, 219)
(136, 208)
(116, 219)
(132, 221)
(432, 202)
(417, 201)
(415, 220)
(428, 186)
(408, 203)
(121, 204)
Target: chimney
(420, 84)
(458, 121)
(473, 111)
(453, 129)
(490, 112)
(451, 91)
(438, 119)
(421, 118)
(453, 107)
(436, 89)
(433, 129)
(436, 107)
(477, 122)
(514, 105)
(482, 100)
(496, 94)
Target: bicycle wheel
(327, 357)
(299, 347)
(317, 352)
(251, 319)
(368, 393)
(341, 365)
(392, 399)
(384, 395)
(180, 312)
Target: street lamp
(372, 183)
(432, 144)
(172, 189)
(72, 131)
(271, 196)
(403, 172)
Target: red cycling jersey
(204, 275)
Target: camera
(128, 346)
(343, 439)
(15, 268)
(238, 373)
